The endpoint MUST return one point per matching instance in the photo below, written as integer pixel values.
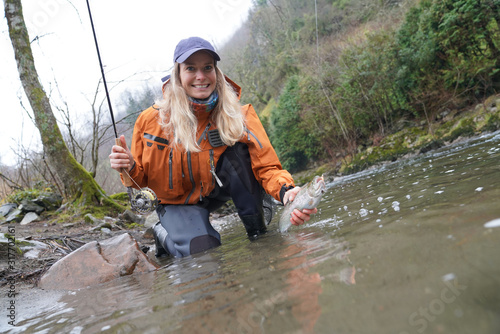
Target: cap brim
(182, 58)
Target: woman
(196, 149)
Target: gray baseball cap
(186, 47)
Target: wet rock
(29, 218)
(7, 208)
(97, 262)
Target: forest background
(329, 79)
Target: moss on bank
(484, 117)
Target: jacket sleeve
(265, 163)
(137, 171)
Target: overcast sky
(136, 40)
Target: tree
(79, 185)
(293, 144)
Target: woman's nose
(200, 75)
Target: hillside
(342, 75)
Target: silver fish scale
(308, 197)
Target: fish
(308, 197)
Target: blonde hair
(178, 120)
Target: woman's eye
(190, 68)
(208, 68)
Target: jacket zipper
(170, 180)
(191, 177)
(251, 134)
(204, 134)
(212, 169)
(201, 191)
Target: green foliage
(292, 143)
(416, 48)
(28, 194)
(38, 189)
(468, 35)
(369, 92)
(451, 43)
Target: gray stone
(7, 208)
(30, 217)
(15, 216)
(131, 217)
(18, 247)
(102, 225)
(151, 220)
(105, 230)
(91, 219)
(29, 206)
(96, 263)
(50, 201)
(33, 248)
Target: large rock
(50, 201)
(15, 216)
(97, 262)
(30, 217)
(30, 206)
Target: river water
(410, 247)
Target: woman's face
(198, 76)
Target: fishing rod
(143, 200)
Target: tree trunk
(78, 183)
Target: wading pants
(185, 229)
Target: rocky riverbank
(31, 249)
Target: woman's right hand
(121, 157)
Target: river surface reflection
(411, 247)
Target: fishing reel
(142, 201)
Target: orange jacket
(179, 177)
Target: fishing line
(145, 199)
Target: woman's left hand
(298, 217)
